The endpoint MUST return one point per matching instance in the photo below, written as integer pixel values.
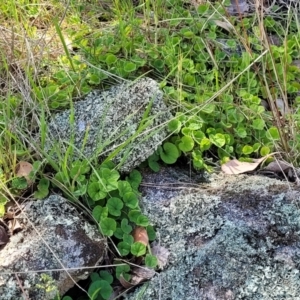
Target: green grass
(214, 70)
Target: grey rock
(104, 120)
(54, 236)
(237, 237)
(238, 7)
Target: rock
(104, 120)
(237, 237)
(54, 236)
(237, 7)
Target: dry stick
(25, 294)
(59, 270)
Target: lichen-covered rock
(234, 238)
(54, 237)
(105, 120)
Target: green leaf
(129, 66)
(135, 179)
(186, 131)
(105, 275)
(101, 287)
(138, 249)
(95, 191)
(125, 226)
(106, 290)
(174, 126)
(79, 168)
(131, 200)
(94, 290)
(40, 194)
(124, 248)
(195, 126)
(61, 177)
(241, 132)
(124, 187)
(158, 63)
(80, 189)
(202, 8)
(217, 139)
(198, 163)
(256, 147)
(208, 108)
(108, 226)
(189, 79)
(258, 124)
(205, 144)
(119, 233)
(107, 165)
(43, 184)
(2, 210)
(142, 221)
(95, 276)
(19, 183)
(198, 136)
(169, 153)
(247, 150)
(151, 233)
(121, 270)
(114, 206)
(152, 162)
(186, 144)
(265, 150)
(133, 215)
(128, 238)
(111, 178)
(273, 133)
(111, 59)
(100, 213)
(94, 79)
(151, 261)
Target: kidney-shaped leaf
(169, 153)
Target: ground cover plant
(232, 82)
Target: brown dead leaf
(196, 3)
(14, 226)
(126, 284)
(278, 166)
(140, 235)
(141, 274)
(225, 25)
(23, 169)
(235, 166)
(162, 255)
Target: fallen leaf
(23, 169)
(126, 284)
(140, 235)
(225, 25)
(14, 226)
(278, 166)
(141, 274)
(235, 166)
(281, 106)
(162, 255)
